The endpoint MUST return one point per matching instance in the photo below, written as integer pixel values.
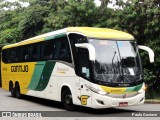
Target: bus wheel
(12, 89)
(17, 91)
(67, 100)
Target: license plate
(123, 104)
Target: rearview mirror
(150, 52)
(90, 48)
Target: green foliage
(9, 35)
(9, 20)
(142, 19)
(73, 14)
(32, 21)
(149, 77)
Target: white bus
(92, 67)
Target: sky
(98, 3)
(23, 4)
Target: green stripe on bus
(138, 87)
(135, 88)
(36, 75)
(129, 89)
(45, 76)
(55, 36)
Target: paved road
(28, 103)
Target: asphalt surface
(54, 110)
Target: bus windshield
(116, 61)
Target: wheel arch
(71, 90)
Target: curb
(153, 101)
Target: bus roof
(90, 32)
(101, 33)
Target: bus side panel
(20, 72)
(4, 76)
(66, 77)
(62, 75)
(52, 89)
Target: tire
(67, 100)
(12, 90)
(13, 93)
(17, 91)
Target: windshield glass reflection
(116, 62)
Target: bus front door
(84, 73)
(85, 94)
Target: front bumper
(104, 101)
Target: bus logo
(19, 68)
(83, 99)
(116, 90)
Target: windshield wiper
(112, 61)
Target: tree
(141, 18)
(79, 13)
(104, 4)
(9, 19)
(33, 21)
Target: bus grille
(123, 95)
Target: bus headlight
(102, 92)
(96, 90)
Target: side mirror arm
(150, 52)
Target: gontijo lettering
(19, 68)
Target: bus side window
(12, 55)
(25, 53)
(5, 57)
(35, 52)
(76, 38)
(48, 47)
(57, 48)
(61, 50)
(83, 63)
(64, 53)
(18, 54)
(8, 56)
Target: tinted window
(17, 55)
(48, 48)
(76, 38)
(83, 68)
(11, 55)
(35, 52)
(64, 51)
(56, 49)
(25, 53)
(4, 54)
